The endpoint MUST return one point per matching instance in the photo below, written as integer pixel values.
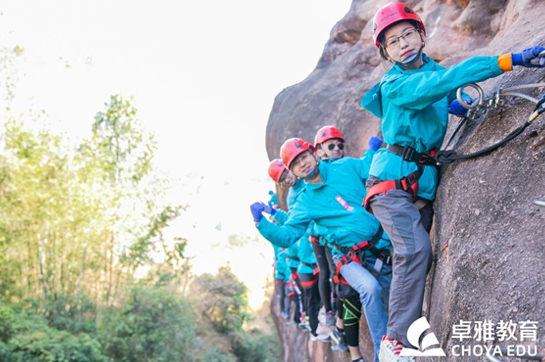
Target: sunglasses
(331, 146)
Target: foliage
(7, 319)
(76, 225)
(31, 339)
(152, 324)
(257, 346)
(50, 344)
(75, 314)
(79, 220)
(221, 299)
(214, 354)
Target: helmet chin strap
(312, 173)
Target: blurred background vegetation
(85, 272)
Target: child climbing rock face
(332, 199)
(413, 100)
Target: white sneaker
(390, 350)
(322, 316)
(322, 329)
(324, 338)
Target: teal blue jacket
(292, 255)
(281, 270)
(306, 256)
(273, 201)
(280, 217)
(304, 249)
(367, 158)
(293, 250)
(294, 193)
(334, 205)
(413, 105)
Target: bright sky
(203, 74)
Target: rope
(445, 157)
(525, 96)
(523, 86)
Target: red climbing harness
(353, 253)
(408, 183)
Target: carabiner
(477, 102)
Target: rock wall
(488, 236)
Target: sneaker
(359, 360)
(329, 318)
(322, 316)
(390, 350)
(324, 338)
(323, 329)
(285, 315)
(340, 339)
(303, 326)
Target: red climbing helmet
(393, 13)
(327, 133)
(276, 168)
(293, 148)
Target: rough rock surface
(488, 236)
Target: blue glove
(529, 57)
(457, 109)
(374, 143)
(257, 208)
(269, 209)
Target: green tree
(222, 299)
(152, 324)
(78, 222)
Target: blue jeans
(374, 289)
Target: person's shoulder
(391, 76)
(348, 160)
(346, 163)
(431, 64)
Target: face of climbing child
(333, 149)
(403, 42)
(303, 164)
(287, 178)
